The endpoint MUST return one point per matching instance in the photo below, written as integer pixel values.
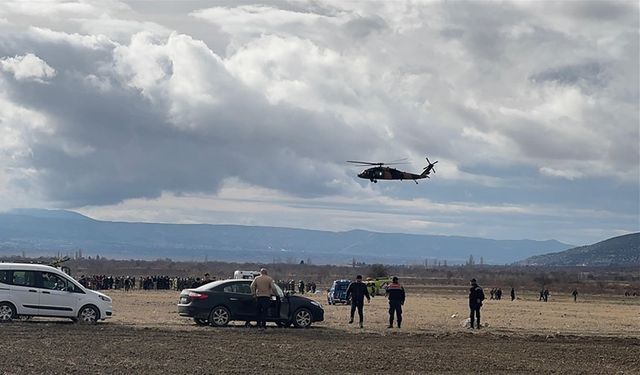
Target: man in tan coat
(262, 289)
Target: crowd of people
(163, 282)
(126, 283)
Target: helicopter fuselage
(386, 173)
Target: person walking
(513, 294)
(262, 288)
(476, 296)
(575, 295)
(357, 290)
(396, 295)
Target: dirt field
(599, 334)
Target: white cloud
(257, 19)
(92, 42)
(568, 174)
(28, 67)
(524, 105)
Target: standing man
(476, 296)
(513, 294)
(395, 293)
(262, 289)
(575, 295)
(357, 290)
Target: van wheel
(302, 318)
(7, 312)
(88, 315)
(219, 317)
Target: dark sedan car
(220, 302)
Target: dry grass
(430, 310)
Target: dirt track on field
(147, 336)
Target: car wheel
(88, 315)
(302, 318)
(7, 312)
(219, 317)
(201, 321)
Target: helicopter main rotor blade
(372, 163)
(363, 162)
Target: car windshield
(341, 286)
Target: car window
(4, 277)
(242, 288)
(53, 281)
(24, 278)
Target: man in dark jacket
(357, 290)
(476, 296)
(395, 293)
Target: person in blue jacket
(476, 296)
(357, 290)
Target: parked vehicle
(250, 275)
(378, 287)
(338, 292)
(223, 301)
(37, 290)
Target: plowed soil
(598, 334)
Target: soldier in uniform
(396, 295)
(476, 296)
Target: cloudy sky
(245, 112)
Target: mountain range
(49, 232)
(617, 251)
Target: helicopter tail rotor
(429, 168)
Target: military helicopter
(381, 171)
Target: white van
(39, 290)
(246, 275)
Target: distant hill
(622, 250)
(46, 232)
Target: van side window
(24, 278)
(4, 277)
(53, 281)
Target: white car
(39, 290)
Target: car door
(280, 308)
(24, 290)
(240, 301)
(57, 295)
